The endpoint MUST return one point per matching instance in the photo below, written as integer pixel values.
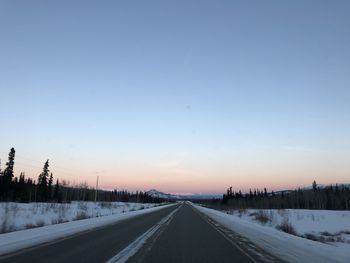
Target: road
(190, 238)
(186, 237)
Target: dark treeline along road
(330, 197)
(46, 189)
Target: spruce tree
(43, 183)
(314, 186)
(21, 195)
(1, 182)
(7, 175)
(50, 186)
(8, 172)
(56, 191)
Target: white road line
(213, 225)
(131, 249)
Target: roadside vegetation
(332, 197)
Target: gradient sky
(181, 96)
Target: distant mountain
(156, 193)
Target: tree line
(45, 189)
(330, 197)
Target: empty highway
(174, 234)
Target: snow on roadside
(13, 241)
(326, 226)
(19, 216)
(285, 246)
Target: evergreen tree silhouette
(56, 194)
(43, 183)
(7, 175)
(8, 172)
(50, 186)
(314, 186)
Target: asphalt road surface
(186, 237)
(190, 238)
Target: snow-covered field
(331, 229)
(319, 225)
(19, 216)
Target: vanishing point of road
(186, 236)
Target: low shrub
(29, 226)
(241, 212)
(287, 227)
(40, 223)
(107, 205)
(81, 215)
(262, 216)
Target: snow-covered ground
(19, 216)
(17, 240)
(331, 227)
(319, 225)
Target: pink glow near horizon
(188, 182)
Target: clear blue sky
(183, 96)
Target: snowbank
(13, 241)
(285, 246)
(18, 216)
